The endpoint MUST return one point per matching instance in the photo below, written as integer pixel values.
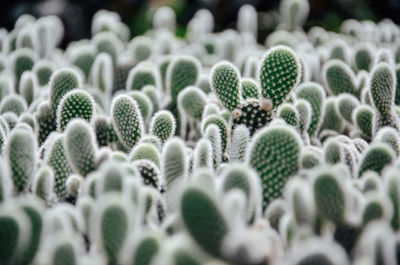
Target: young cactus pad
(279, 72)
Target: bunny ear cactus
(144, 104)
(375, 158)
(46, 120)
(163, 125)
(146, 249)
(183, 71)
(61, 82)
(203, 220)
(225, 82)
(75, 104)
(315, 95)
(80, 146)
(275, 154)
(252, 113)
(112, 222)
(389, 136)
(364, 117)
(377, 207)
(56, 158)
(145, 151)
(239, 143)
(149, 172)
(279, 73)
(203, 155)
(142, 75)
(83, 57)
(213, 134)
(250, 89)
(330, 196)
(102, 73)
(382, 87)
(363, 58)
(392, 190)
(22, 60)
(192, 100)
(127, 120)
(223, 128)
(331, 121)
(21, 153)
(43, 71)
(346, 104)
(339, 78)
(44, 184)
(289, 114)
(28, 87)
(14, 234)
(13, 103)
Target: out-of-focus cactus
(332, 121)
(127, 120)
(46, 120)
(75, 104)
(279, 73)
(144, 104)
(202, 156)
(80, 146)
(207, 230)
(43, 184)
(364, 117)
(225, 82)
(315, 95)
(102, 73)
(183, 71)
(145, 151)
(192, 100)
(43, 71)
(213, 134)
(28, 87)
(389, 136)
(56, 158)
(142, 75)
(363, 57)
(376, 157)
(339, 78)
(346, 104)
(146, 249)
(22, 60)
(163, 125)
(239, 143)
(294, 13)
(382, 87)
(275, 154)
(112, 222)
(223, 127)
(13, 103)
(21, 153)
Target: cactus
(346, 104)
(207, 230)
(279, 72)
(22, 60)
(112, 224)
(102, 74)
(363, 58)
(391, 188)
(275, 154)
(146, 249)
(311, 157)
(223, 127)
(141, 76)
(163, 125)
(182, 71)
(174, 165)
(250, 89)
(390, 137)
(377, 207)
(330, 196)
(56, 158)
(152, 92)
(339, 78)
(382, 87)
(192, 100)
(331, 121)
(149, 172)
(46, 120)
(141, 48)
(13, 103)
(315, 95)
(225, 82)
(75, 104)
(28, 87)
(397, 93)
(14, 234)
(364, 117)
(289, 114)
(80, 147)
(213, 134)
(203, 154)
(253, 113)
(83, 57)
(21, 155)
(375, 158)
(127, 120)
(239, 143)
(145, 151)
(333, 151)
(107, 42)
(43, 184)
(144, 104)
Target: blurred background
(77, 14)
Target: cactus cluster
(208, 148)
